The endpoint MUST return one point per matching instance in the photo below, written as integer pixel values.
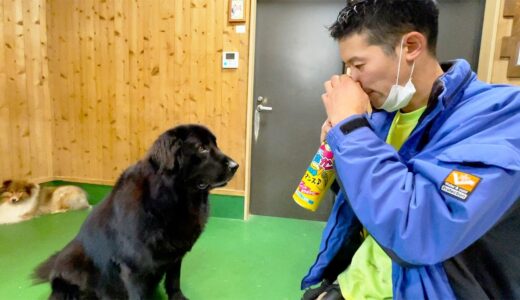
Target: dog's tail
(42, 273)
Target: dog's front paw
(177, 296)
(26, 216)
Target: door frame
(250, 107)
(488, 42)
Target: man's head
(371, 34)
(386, 21)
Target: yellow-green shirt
(369, 275)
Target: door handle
(261, 108)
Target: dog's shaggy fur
(22, 200)
(142, 230)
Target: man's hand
(324, 130)
(343, 97)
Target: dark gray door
(294, 56)
(460, 30)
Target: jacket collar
(444, 95)
(457, 76)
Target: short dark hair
(385, 21)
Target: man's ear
(414, 44)
(164, 152)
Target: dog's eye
(203, 149)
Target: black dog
(142, 230)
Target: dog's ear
(163, 153)
(6, 183)
(30, 187)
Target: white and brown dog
(22, 200)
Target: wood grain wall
(121, 72)
(492, 68)
(504, 28)
(25, 112)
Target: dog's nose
(13, 200)
(232, 165)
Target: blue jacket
(445, 241)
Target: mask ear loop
(399, 65)
(413, 67)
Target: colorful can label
(317, 179)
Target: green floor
(262, 258)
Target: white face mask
(399, 96)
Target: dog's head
(191, 151)
(16, 191)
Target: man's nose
(354, 74)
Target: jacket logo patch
(459, 184)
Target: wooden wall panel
(123, 71)
(504, 28)
(492, 68)
(25, 113)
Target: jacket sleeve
(402, 204)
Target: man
(430, 181)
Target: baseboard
(222, 206)
(41, 179)
(219, 191)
